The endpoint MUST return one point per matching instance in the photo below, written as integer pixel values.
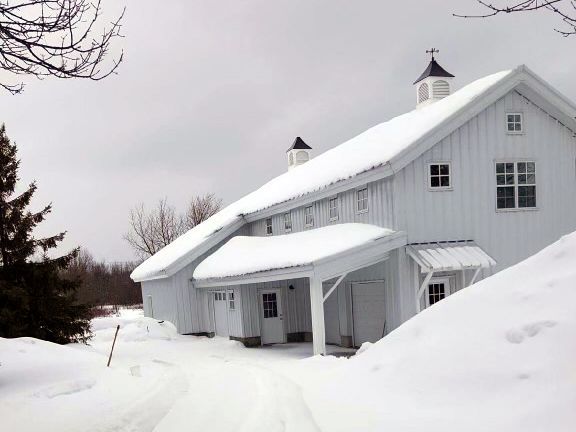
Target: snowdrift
(498, 356)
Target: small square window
(362, 200)
(514, 123)
(309, 216)
(269, 226)
(439, 176)
(333, 209)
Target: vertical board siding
(380, 211)
(469, 210)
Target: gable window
(439, 176)
(288, 222)
(514, 123)
(309, 216)
(362, 200)
(515, 185)
(333, 209)
(269, 226)
(231, 303)
(438, 289)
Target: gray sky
(213, 92)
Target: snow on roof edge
(338, 165)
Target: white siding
(380, 211)
(468, 211)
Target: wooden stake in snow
(113, 343)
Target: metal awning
(449, 256)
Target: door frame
(337, 294)
(383, 281)
(212, 301)
(279, 298)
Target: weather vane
(432, 51)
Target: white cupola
(434, 83)
(298, 153)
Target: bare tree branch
(151, 230)
(56, 38)
(565, 10)
(201, 208)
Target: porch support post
(317, 309)
(421, 290)
(476, 273)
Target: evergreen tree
(35, 300)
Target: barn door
(271, 317)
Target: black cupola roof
(299, 144)
(433, 69)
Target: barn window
(288, 222)
(440, 89)
(333, 208)
(231, 304)
(438, 289)
(269, 226)
(362, 200)
(309, 216)
(439, 176)
(514, 123)
(423, 92)
(515, 185)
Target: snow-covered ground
(498, 356)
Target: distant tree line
(103, 283)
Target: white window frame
(269, 229)
(516, 185)
(358, 200)
(515, 132)
(311, 214)
(447, 281)
(337, 208)
(429, 176)
(288, 222)
(231, 299)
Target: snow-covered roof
(446, 256)
(243, 255)
(388, 143)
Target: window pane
(517, 118)
(531, 179)
(510, 118)
(521, 167)
(445, 169)
(531, 167)
(509, 167)
(521, 178)
(527, 196)
(434, 170)
(445, 181)
(509, 179)
(500, 168)
(435, 181)
(517, 127)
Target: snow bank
(244, 255)
(498, 356)
(373, 148)
(49, 387)
(133, 329)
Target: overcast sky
(212, 93)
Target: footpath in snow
(498, 356)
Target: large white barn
(344, 247)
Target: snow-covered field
(499, 356)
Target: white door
(220, 314)
(331, 316)
(271, 317)
(368, 311)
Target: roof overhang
(449, 256)
(325, 268)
